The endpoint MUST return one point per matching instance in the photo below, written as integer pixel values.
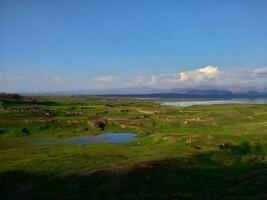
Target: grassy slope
(201, 152)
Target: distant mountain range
(194, 92)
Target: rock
(142, 117)
(189, 141)
(147, 112)
(73, 122)
(170, 139)
(91, 123)
(224, 145)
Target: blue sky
(74, 44)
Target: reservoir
(215, 102)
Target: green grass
(199, 152)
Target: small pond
(105, 138)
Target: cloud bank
(207, 75)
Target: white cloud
(183, 76)
(104, 82)
(105, 78)
(260, 70)
(202, 74)
(152, 80)
(11, 77)
(209, 70)
(144, 81)
(60, 79)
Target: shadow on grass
(203, 176)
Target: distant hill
(194, 92)
(199, 94)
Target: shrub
(45, 127)
(101, 125)
(25, 131)
(2, 131)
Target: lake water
(105, 138)
(215, 102)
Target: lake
(215, 102)
(105, 138)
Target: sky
(55, 45)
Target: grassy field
(198, 152)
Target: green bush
(2, 131)
(25, 131)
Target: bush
(25, 131)
(101, 125)
(2, 131)
(10, 97)
(44, 127)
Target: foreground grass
(200, 152)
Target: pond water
(105, 138)
(215, 102)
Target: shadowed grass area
(200, 176)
